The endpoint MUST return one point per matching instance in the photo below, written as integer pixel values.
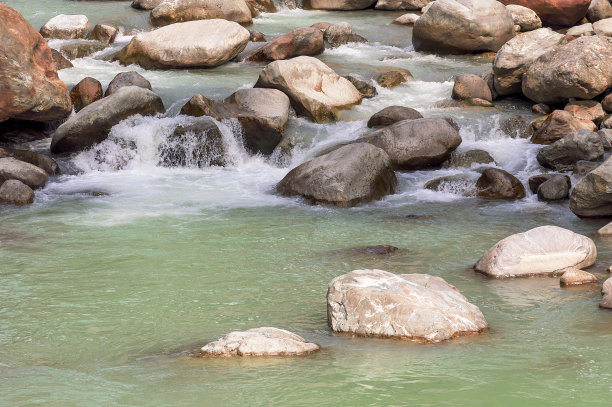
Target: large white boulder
(66, 27)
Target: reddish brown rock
(29, 86)
(301, 41)
(555, 12)
(558, 125)
(85, 92)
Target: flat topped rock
(545, 250)
(574, 277)
(265, 341)
(406, 306)
(66, 27)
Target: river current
(120, 265)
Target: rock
(606, 290)
(537, 180)
(586, 110)
(337, 4)
(574, 276)
(60, 61)
(605, 231)
(460, 26)
(603, 27)
(579, 69)
(43, 162)
(379, 250)
(427, 7)
(104, 33)
(583, 167)
(453, 184)
(406, 306)
(393, 114)
(524, 17)
(516, 56)
(31, 175)
(195, 44)
(256, 36)
(401, 4)
(545, 250)
(179, 11)
(599, 9)
(580, 31)
(498, 184)
(350, 175)
(342, 33)
(66, 27)
(261, 6)
(541, 108)
(81, 48)
(146, 4)
(131, 78)
(469, 86)
(564, 153)
(314, 89)
(606, 123)
(85, 93)
(198, 144)
(467, 159)
(15, 192)
(92, 124)
(606, 103)
(516, 127)
(558, 125)
(556, 12)
(367, 90)
(393, 78)
(301, 41)
(264, 341)
(592, 195)
(29, 85)
(416, 144)
(556, 188)
(606, 138)
(321, 26)
(263, 114)
(406, 19)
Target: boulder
(564, 153)
(195, 44)
(66, 27)
(29, 85)
(92, 124)
(314, 89)
(590, 110)
(391, 115)
(536, 180)
(263, 114)
(406, 19)
(583, 167)
(524, 17)
(499, 184)
(394, 77)
(85, 93)
(416, 144)
(467, 159)
(342, 33)
(43, 162)
(196, 144)
(541, 109)
(606, 103)
(337, 4)
(579, 69)
(605, 231)
(574, 277)
(366, 89)
(104, 33)
(606, 291)
(401, 4)
(558, 125)
(321, 25)
(516, 56)
(556, 12)
(263, 341)
(606, 138)
(31, 175)
(405, 306)
(460, 26)
(469, 86)
(516, 126)
(350, 175)
(301, 41)
(556, 188)
(59, 60)
(123, 79)
(603, 27)
(179, 11)
(261, 6)
(15, 192)
(145, 4)
(256, 36)
(598, 10)
(592, 195)
(80, 48)
(581, 30)
(545, 250)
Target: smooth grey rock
(499, 184)
(592, 195)
(123, 79)
(564, 153)
(31, 175)
(391, 115)
(556, 188)
(468, 86)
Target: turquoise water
(100, 295)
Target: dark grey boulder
(123, 79)
(499, 184)
(556, 188)
(564, 153)
(393, 114)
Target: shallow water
(101, 292)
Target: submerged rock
(366, 89)
(499, 184)
(545, 250)
(391, 115)
(178, 11)
(454, 184)
(350, 175)
(15, 192)
(265, 341)
(574, 277)
(556, 188)
(81, 48)
(406, 306)
(592, 195)
(393, 78)
(199, 144)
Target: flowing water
(121, 265)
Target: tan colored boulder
(589, 110)
(265, 341)
(405, 306)
(606, 230)
(406, 19)
(394, 77)
(592, 195)
(179, 11)
(468, 86)
(606, 290)
(574, 277)
(557, 125)
(15, 192)
(545, 250)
